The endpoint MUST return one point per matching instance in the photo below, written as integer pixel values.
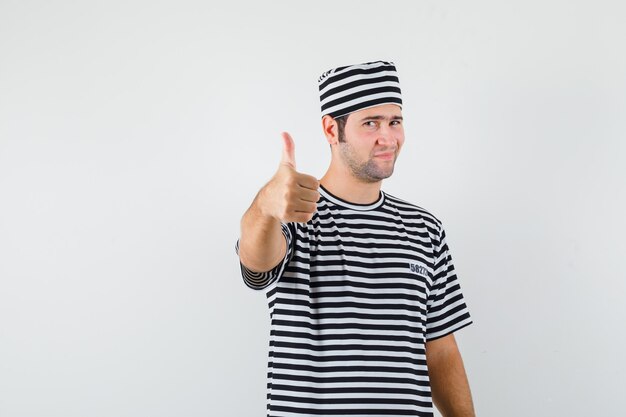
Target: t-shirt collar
(354, 206)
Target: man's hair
(341, 125)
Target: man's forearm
(262, 244)
(449, 385)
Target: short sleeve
(262, 280)
(446, 308)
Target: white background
(134, 134)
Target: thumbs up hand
(290, 196)
(289, 151)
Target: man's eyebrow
(376, 117)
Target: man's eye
(395, 122)
(370, 123)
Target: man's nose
(387, 136)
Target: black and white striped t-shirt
(360, 290)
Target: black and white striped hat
(344, 90)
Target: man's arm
(290, 196)
(262, 244)
(448, 381)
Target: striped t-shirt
(361, 289)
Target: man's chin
(383, 175)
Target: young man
(362, 292)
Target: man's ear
(330, 128)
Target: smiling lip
(387, 155)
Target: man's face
(373, 139)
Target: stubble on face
(368, 171)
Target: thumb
(289, 151)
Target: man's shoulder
(407, 208)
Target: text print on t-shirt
(419, 270)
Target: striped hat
(344, 90)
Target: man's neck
(351, 189)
